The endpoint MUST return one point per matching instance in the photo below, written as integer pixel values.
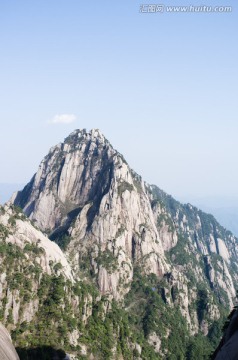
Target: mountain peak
(69, 176)
(75, 140)
(79, 135)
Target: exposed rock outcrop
(24, 235)
(7, 350)
(25, 253)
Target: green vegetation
(149, 313)
(33, 248)
(107, 260)
(152, 309)
(63, 241)
(17, 214)
(164, 218)
(3, 232)
(65, 307)
(123, 187)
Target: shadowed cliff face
(228, 347)
(7, 350)
(73, 173)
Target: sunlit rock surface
(7, 350)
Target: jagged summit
(71, 174)
(92, 134)
(78, 136)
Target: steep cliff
(34, 272)
(154, 261)
(85, 191)
(204, 251)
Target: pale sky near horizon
(162, 88)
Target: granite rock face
(111, 224)
(7, 350)
(214, 247)
(23, 234)
(85, 188)
(24, 250)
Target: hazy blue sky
(161, 87)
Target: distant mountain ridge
(151, 272)
(224, 208)
(228, 217)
